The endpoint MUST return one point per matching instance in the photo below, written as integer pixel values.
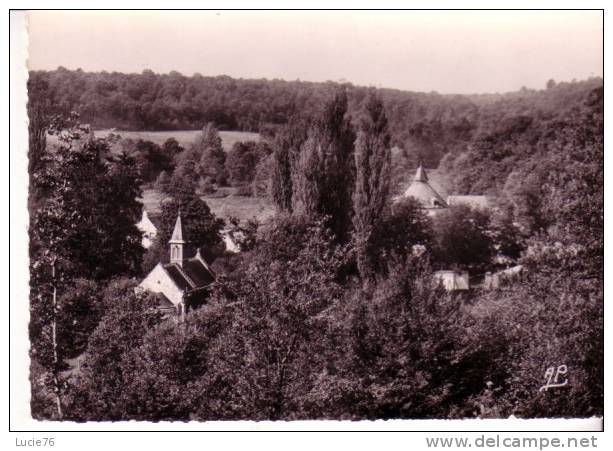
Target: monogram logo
(555, 377)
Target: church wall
(158, 281)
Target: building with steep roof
(423, 192)
(148, 229)
(433, 201)
(183, 282)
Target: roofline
(199, 257)
(177, 266)
(184, 274)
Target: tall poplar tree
(372, 164)
(324, 175)
(286, 149)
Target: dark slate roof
(193, 274)
(177, 276)
(198, 272)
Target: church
(183, 282)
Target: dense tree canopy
(243, 159)
(518, 129)
(98, 391)
(290, 331)
(427, 126)
(212, 156)
(402, 228)
(84, 227)
(150, 158)
(88, 216)
(463, 238)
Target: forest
(329, 310)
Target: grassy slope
(244, 208)
(241, 207)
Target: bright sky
(448, 52)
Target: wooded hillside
(426, 126)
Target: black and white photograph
(288, 216)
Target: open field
(184, 137)
(152, 199)
(242, 207)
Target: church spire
(176, 243)
(420, 175)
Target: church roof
(177, 276)
(198, 272)
(187, 274)
(192, 275)
(177, 233)
(145, 224)
(421, 190)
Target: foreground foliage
(291, 330)
(287, 336)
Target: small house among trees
(148, 229)
(452, 280)
(183, 282)
(434, 201)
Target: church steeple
(176, 243)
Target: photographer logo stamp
(555, 377)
